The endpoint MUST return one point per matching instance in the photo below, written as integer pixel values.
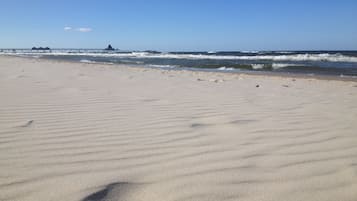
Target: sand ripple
(128, 134)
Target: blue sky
(181, 25)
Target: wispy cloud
(67, 28)
(81, 29)
(84, 29)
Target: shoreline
(248, 73)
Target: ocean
(335, 63)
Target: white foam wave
(95, 62)
(161, 66)
(292, 57)
(253, 52)
(223, 68)
(30, 56)
(86, 61)
(285, 52)
(282, 65)
(257, 66)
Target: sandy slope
(93, 132)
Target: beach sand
(90, 132)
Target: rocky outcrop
(40, 48)
(109, 48)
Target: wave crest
(289, 57)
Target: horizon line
(276, 50)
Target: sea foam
(288, 57)
(282, 65)
(223, 68)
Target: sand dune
(90, 132)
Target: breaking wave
(287, 57)
(86, 61)
(282, 65)
(161, 66)
(319, 62)
(257, 66)
(223, 68)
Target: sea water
(302, 62)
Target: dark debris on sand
(112, 192)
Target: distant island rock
(40, 48)
(109, 48)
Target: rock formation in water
(109, 48)
(40, 48)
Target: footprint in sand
(116, 191)
(29, 123)
(198, 125)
